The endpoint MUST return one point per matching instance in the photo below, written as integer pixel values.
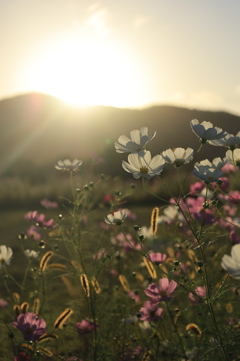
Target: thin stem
(175, 328)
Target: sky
(123, 53)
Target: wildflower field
(90, 279)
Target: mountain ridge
(41, 129)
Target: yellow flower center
(144, 170)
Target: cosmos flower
(30, 253)
(5, 255)
(233, 157)
(234, 237)
(40, 221)
(86, 327)
(134, 296)
(171, 214)
(144, 166)
(146, 232)
(178, 156)
(137, 143)
(228, 168)
(33, 233)
(208, 175)
(196, 188)
(116, 218)
(150, 312)
(22, 356)
(157, 257)
(229, 140)
(163, 292)
(48, 204)
(126, 242)
(206, 131)
(232, 263)
(224, 184)
(209, 172)
(3, 303)
(68, 166)
(198, 298)
(30, 325)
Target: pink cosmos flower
(34, 234)
(22, 356)
(48, 204)
(234, 197)
(109, 198)
(197, 211)
(234, 237)
(128, 244)
(224, 186)
(3, 303)
(133, 354)
(198, 298)
(230, 210)
(30, 325)
(130, 215)
(134, 296)
(102, 253)
(227, 223)
(197, 187)
(228, 168)
(113, 272)
(86, 327)
(157, 258)
(150, 312)
(163, 292)
(40, 221)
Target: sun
(86, 71)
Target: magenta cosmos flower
(86, 327)
(40, 221)
(48, 204)
(22, 356)
(157, 257)
(30, 325)
(3, 303)
(163, 292)
(196, 298)
(150, 312)
(34, 234)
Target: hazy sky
(126, 53)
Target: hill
(40, 129)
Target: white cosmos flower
(206, 131)
(232, 263)
(236, 221)
(209, 172)
(146, 232)
(137, 143)
(116, 218)
(229, 140)
(67, 165)
(144, 166)
(5, 255)
(172, 213)
(233, 157)
(178, 156)
(31, 253)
